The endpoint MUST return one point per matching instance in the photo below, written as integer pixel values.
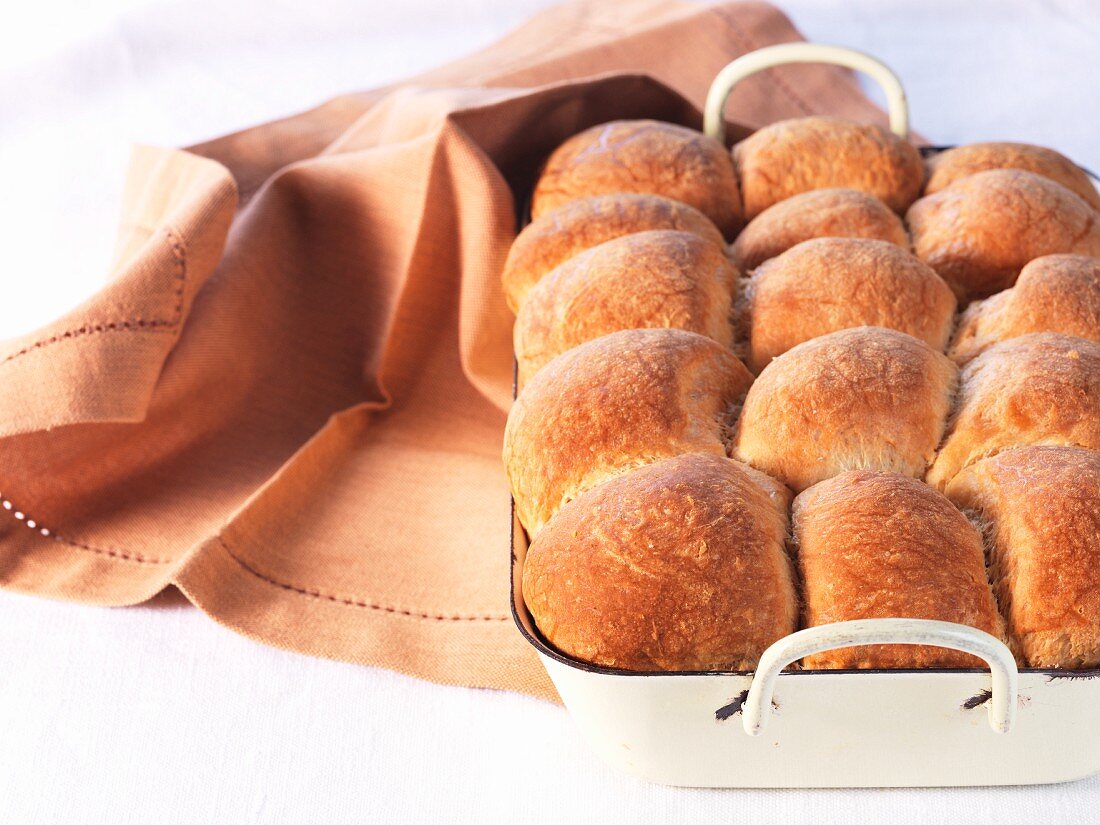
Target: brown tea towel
(289, 400)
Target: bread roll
(557, 236)
(1055, 293)
(980, 231)
(880, 545)
(676, 566)
(863, 398)
(1041, 388)
(947, 167)
(820, 213)
(648, 279)
(618, 402)
(795, 156)
(643, 156)
(1041, 509)
(828, 284)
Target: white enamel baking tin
(776, 728)
(834, 728)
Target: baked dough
(1041, 510)
(1055, 293)
(944, 168)
(797, 155)
(679, 565)
(643, 156)
(557, 236)
(652, 549)
(828, 284)
(1041, 388)
(980, 231)
(613, 404)
(648, 279)
(820, 213)
(881, 545)
(862, 398)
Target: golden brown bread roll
(795, 156)
(648, 279)
(881, 545)
(624, 400)
(643, 156)
(1041, 510)
(828, 284)
(863, 398)
(557, 236)
(944, 168)
(820, 213)
(1041, 388)
(980, 231)
(680, 565)
(1055, 293)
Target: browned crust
(1041, 388)
(621, 401)
(820, 213)
(944, 168)
(979, 232)
(643, 156)
(828, 284)
(676, 566)
(1041, 509)
(570, 229)
(863, 398)
(657, 279)
(797, 155)
(881, 545)
(1055, 293)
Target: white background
(156, 714)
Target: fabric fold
(290, 403)
(177, 208)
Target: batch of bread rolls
(815, 379)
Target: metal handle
(714, 123)
(1002, 705)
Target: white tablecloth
(156, 714)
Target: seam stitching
(747, 41)
(350, 602)
(179, 252)
(109, 551)
(46, 532)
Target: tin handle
(1002, 705)
(714, 123)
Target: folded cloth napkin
(288, 402)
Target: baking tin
(777, 728)
(829, 728)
